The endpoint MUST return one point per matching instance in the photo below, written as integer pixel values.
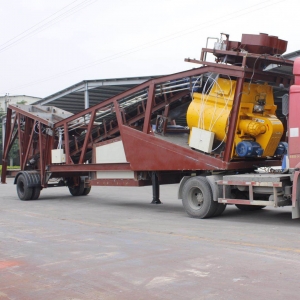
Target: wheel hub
(199, 198)
(196, 199)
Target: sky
(47, 46)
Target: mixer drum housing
(257, 122)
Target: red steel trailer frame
(37, 127)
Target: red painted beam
(148, 113)
(233, 119)
(87, 136)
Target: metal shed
(90, 92)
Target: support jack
(155, 189)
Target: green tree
(22, 102)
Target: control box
(58, 156)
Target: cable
(203, 104)
(146, 45)
(49, 23)
(225, 106)
(204, 98)
(60, 133)
(37, 24)
(253, 72)
(226, 100)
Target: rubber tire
(220, 209)
(196, 187)
(245, 207)
(36, 193)
(77, 190)
(86, 191)
(249, 207)
(24, 192)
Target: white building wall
(5, 100)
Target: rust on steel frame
(132, 120)
(45, 144)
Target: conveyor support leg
(155, 189)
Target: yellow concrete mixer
(258, 131)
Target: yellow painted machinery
(258, 131)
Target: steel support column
(42, 162)
(233, 119)
(66, 143)
(155, 189)
(6, 145)
(18, 116)
(86, 96)
(3, 133)
(87, 136)
(151, 96)
(28, 145)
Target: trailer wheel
(86, 191)
(197, 198)
(36, 193)
(220, 209)
(246, 207)
(76, 190)
(24, 192)
(249, 207)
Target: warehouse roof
(75, 97)
(284, 69)
(90, 92)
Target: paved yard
(114, 244)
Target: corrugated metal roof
(72, 99)
(287, 70)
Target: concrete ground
(113, 244)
